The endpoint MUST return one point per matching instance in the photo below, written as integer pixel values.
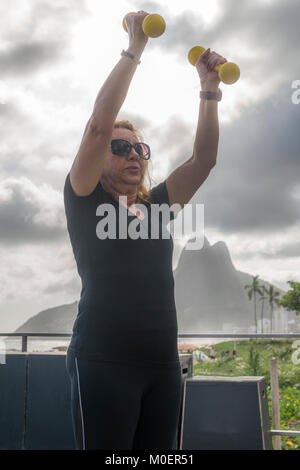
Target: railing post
(24, 343)
(275, 401)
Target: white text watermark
(151, 225)
(296, 94)
(2, 352)
(296, 354)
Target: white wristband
(131, 56)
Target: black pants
(119, 406)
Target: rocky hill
(209, 294)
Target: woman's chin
(133, 178)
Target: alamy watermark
(296, 354)
(189, 223)
(2, 352)
(296, 95)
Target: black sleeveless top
(126, 311)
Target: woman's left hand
(205, 64)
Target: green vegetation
(253, 359)
(291, 300)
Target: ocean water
(56, 344)
(34, 344)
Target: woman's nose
(133, 153)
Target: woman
(122, 360)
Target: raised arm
(89, 161)
(185, 180)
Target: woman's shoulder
(159, 194)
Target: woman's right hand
(135, 31)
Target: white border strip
(82, 422)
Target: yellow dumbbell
(153, 25)
(229, 72)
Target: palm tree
(253, 289)
(263, 298)
(273, 299)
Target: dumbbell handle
(153, 25)
(228, 73)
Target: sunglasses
(122, 148)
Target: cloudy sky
(54, 57)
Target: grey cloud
(27, 217)
(9, 112)
(22, 59)
(175, 139)
(21, 272)
(141, 122)
(250, 189)
(11, 163)
(12, 120)
(289, 251)
(148, 6)
(71, 287)
(258, 166)
(270, 30)
(41, 39)
(19, 140)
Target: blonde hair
(143, 194)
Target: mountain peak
(192, 239)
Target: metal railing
(273, 432)
(25, 337)
(246, 335)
